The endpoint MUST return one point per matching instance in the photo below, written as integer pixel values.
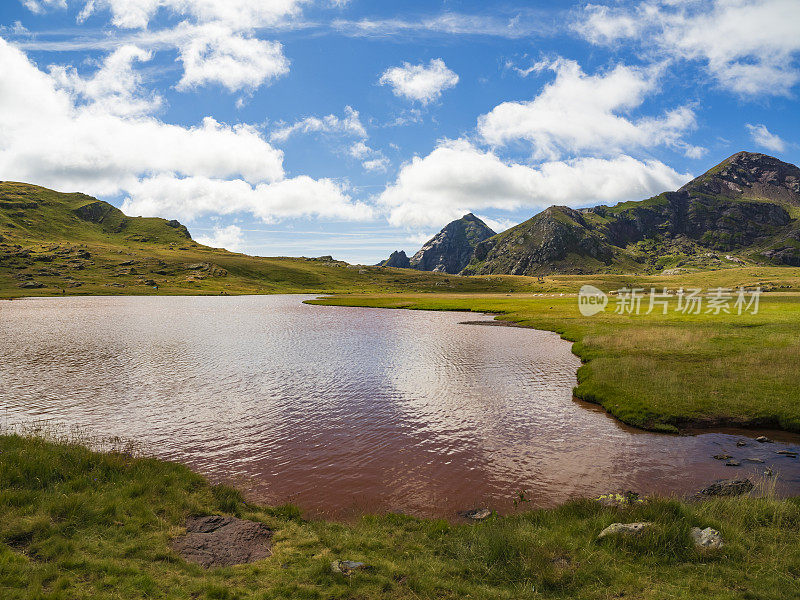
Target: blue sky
(354, 128)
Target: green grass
(78, 524)
(661, 372)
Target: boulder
(762, 439)
(727, 487)
(706, 539)
(31, 284)
(624, 528)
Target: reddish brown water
(344, 410)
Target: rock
(727, 487)
(741, 443)
(348, 567)
(733, 463)
(722, 456)
(762, 439)
(623, 528)
(706, 539)
(31, 284)
(789, 453)
(477, 514)
(220, 541)
(397, 259)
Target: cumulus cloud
(457, 178)
(191, 197)
(215, 54)
(420, 83)
(230, 238)
(749, 46)
(50, 139)
(579, 112)
(764, 138)
(238, 14)
(349, 124)
(115, 87)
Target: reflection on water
(343, 410)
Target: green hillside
(57, 243)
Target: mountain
(449, 251)
(743, 211)
(397, 259)
(57, 243)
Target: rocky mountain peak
(397, 259)
(451, 249)
(750, 175)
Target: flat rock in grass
(727, 487)
(624, 528)
(348, 567)
(722, 456)
(706, 539)
(220, 541)
(477, 514)
(733, 463)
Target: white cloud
(191, 197)
(420, 83)
(749, 46)
(115, 88)
(238, 14)
(497, 225)
(51, 140)
(520, 24)
(372, 160)
(380, 165)
(230, 238)
(215, 54)
(39, 7)
(457, 178)
(579, 112)
(349, 124)
(764, 138)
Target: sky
(355, 128)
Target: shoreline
(681, 425)
(105, 525)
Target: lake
(345, 410)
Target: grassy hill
(53, 243)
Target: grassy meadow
(77, 524)
(661, 372)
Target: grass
(658, 372)
(80, 524)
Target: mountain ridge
(746, 208)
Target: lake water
(344, 410)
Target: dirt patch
(219, 541)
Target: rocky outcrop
(450, 250)
(397, 259)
